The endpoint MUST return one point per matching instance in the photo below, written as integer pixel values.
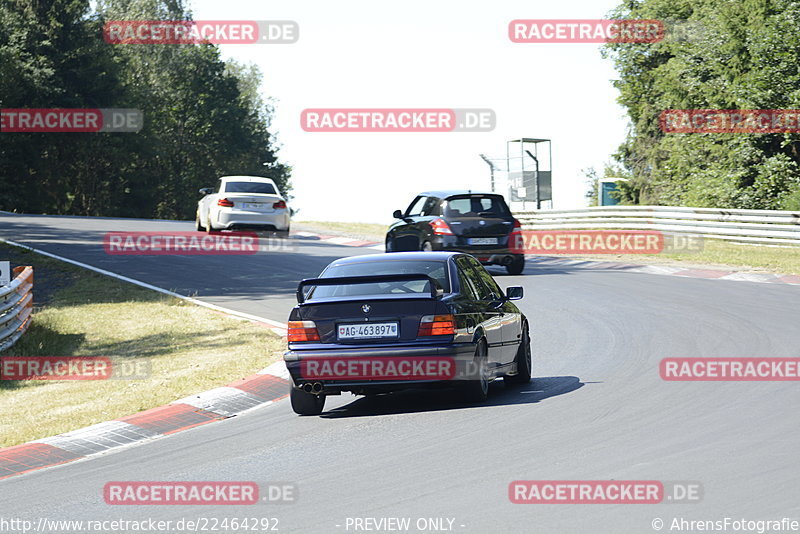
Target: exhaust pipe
(501, 259)
(313, 388)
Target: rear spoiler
(436, 287)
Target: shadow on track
(431, 400)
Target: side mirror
(397, 214)
(514, 293)
(207, 190)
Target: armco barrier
(747, 226)
(16, 304)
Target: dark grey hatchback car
(480, 224)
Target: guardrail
(16, 304)
(747, 226)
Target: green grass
(723, 254)
(189, 348)
(354, 229)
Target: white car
(243, 202)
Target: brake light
(302, 331)
(225, 203)
(437, 325)
(440, 227)
(279, 205)
(516, 243)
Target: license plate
(482, 240)
(367, 330)
(254, 205)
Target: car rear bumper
(239, 219)
(442, 365)
(498, 254)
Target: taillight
(516, 243)
(279, 205)
(440, 227)
(437, 325)
(225, 203)
(302, 331)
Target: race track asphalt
(595, 410)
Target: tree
(718, 54)
(203, 117)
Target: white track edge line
(243, 315)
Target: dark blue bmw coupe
(377, 323)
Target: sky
(426, 54)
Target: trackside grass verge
(80, 313)
(718, 254)
(366, 231)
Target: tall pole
(536, 180)
(491, 169)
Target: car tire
(477, 389)
(517, 265)
(426, 246)
(283, 233)
(389, 246)
(209, 228)
(197, 226)
(306, 403)
(523, 360)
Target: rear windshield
(476, 206)
(435, 269)
(249, 187)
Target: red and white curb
(261, 389)
(667, 270)
(340, 240)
